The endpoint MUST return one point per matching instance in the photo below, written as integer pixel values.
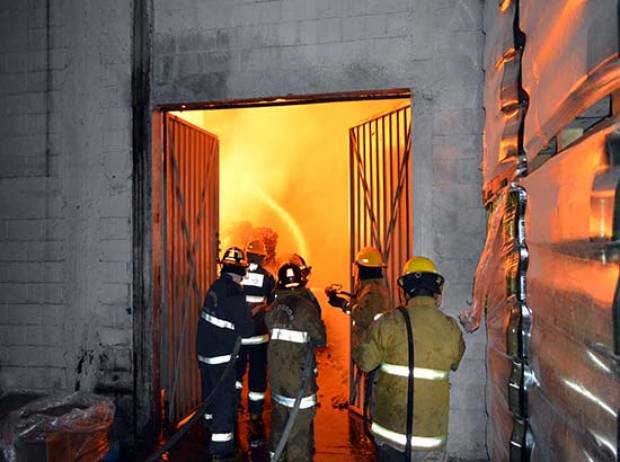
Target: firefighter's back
(296, 329)
(438, 348)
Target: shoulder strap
(411, 360)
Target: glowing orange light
(287, 218)
(286, 169)
(508, 55)
(555, 37)
(503, 7)
(185, 419)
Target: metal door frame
(148, 223)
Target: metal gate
(380, 208)
(190, 246)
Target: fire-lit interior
(285, 170)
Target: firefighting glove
(338, 302)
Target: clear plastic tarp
(71, 427)
(501, 122)
(566, 40)
(572, 282)
(491, 289)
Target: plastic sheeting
(499, 290)
(70, 428)
(548, 275)
(548, 281)
(572, 285)
(502, 115)
(566, 40)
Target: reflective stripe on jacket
(400, 439)
(256, 340)
(305, 402)
(258, 287)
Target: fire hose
(295, 410)
(410, 383)
(198, 415)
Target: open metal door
(190, 249)
(380, 208)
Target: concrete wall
(223, 49)
(65, 196)
(65, 155)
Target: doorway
(319, 179)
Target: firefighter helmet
(234, 256)
(369, 256)
(298, 260)
(420, 275)
(289, 276)
(257, 247)
(419, 265)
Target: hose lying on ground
(295, 410)
(201, 410)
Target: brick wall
(236, 49)
(65, 196)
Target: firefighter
(306, 292)
(224, 317)
(259, 287)
(370, 297)
(296, 330)
(303, 289)
(437, 348)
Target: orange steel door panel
(190, 231)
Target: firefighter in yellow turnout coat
(296, 329)
(438, 349)
(370, 297)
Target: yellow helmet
(419, 265)
(369, 256)
(420, 277)
(257, 247)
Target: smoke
(286, 169)
(240, 233)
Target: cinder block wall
(65, 196)
(65, 155)
(221, 49)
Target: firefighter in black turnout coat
(296, 329)
(259, 286)
(224, 316)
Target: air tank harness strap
(411, 361)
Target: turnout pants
(256, 356)
(300, 442)
(222, 413)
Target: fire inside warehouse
(329, 230)
(319, 180)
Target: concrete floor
(339, 434)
